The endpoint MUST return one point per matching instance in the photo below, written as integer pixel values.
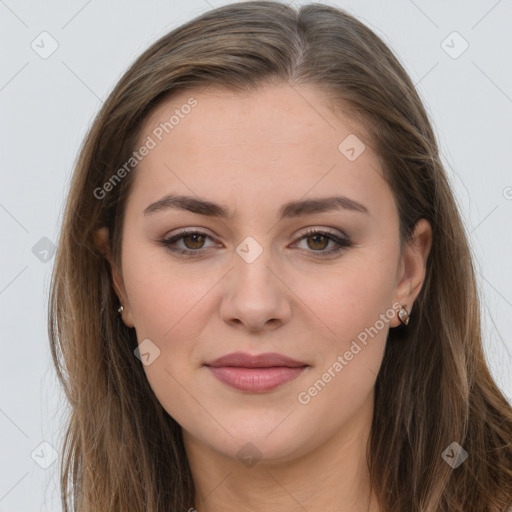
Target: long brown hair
(122, 451)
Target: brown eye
(191, 243)
(319, 242)
(197, 241)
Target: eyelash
(343, 243)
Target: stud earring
(403, 315)
(120, 310)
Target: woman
(263, 296)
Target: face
(314, 282)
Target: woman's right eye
(193, 246)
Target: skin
(253, 152)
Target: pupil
(316, 237)
(195, 236)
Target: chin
(253, 438)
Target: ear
(101, 239)
(413, 267)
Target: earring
(403, 315)
(120, 310)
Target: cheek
(163, 293)
(350, 297)
(167, 304)
(354, 306)
(357, 307)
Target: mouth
(255, 374)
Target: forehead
(271, 117)
(280, 141)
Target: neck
(334, 476)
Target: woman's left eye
(316, 240)
(319, 240)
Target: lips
(244, 360)
(258, 373)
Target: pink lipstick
(256, 374)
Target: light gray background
(47, 105)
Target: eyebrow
(288, 210)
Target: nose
(254, 297)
